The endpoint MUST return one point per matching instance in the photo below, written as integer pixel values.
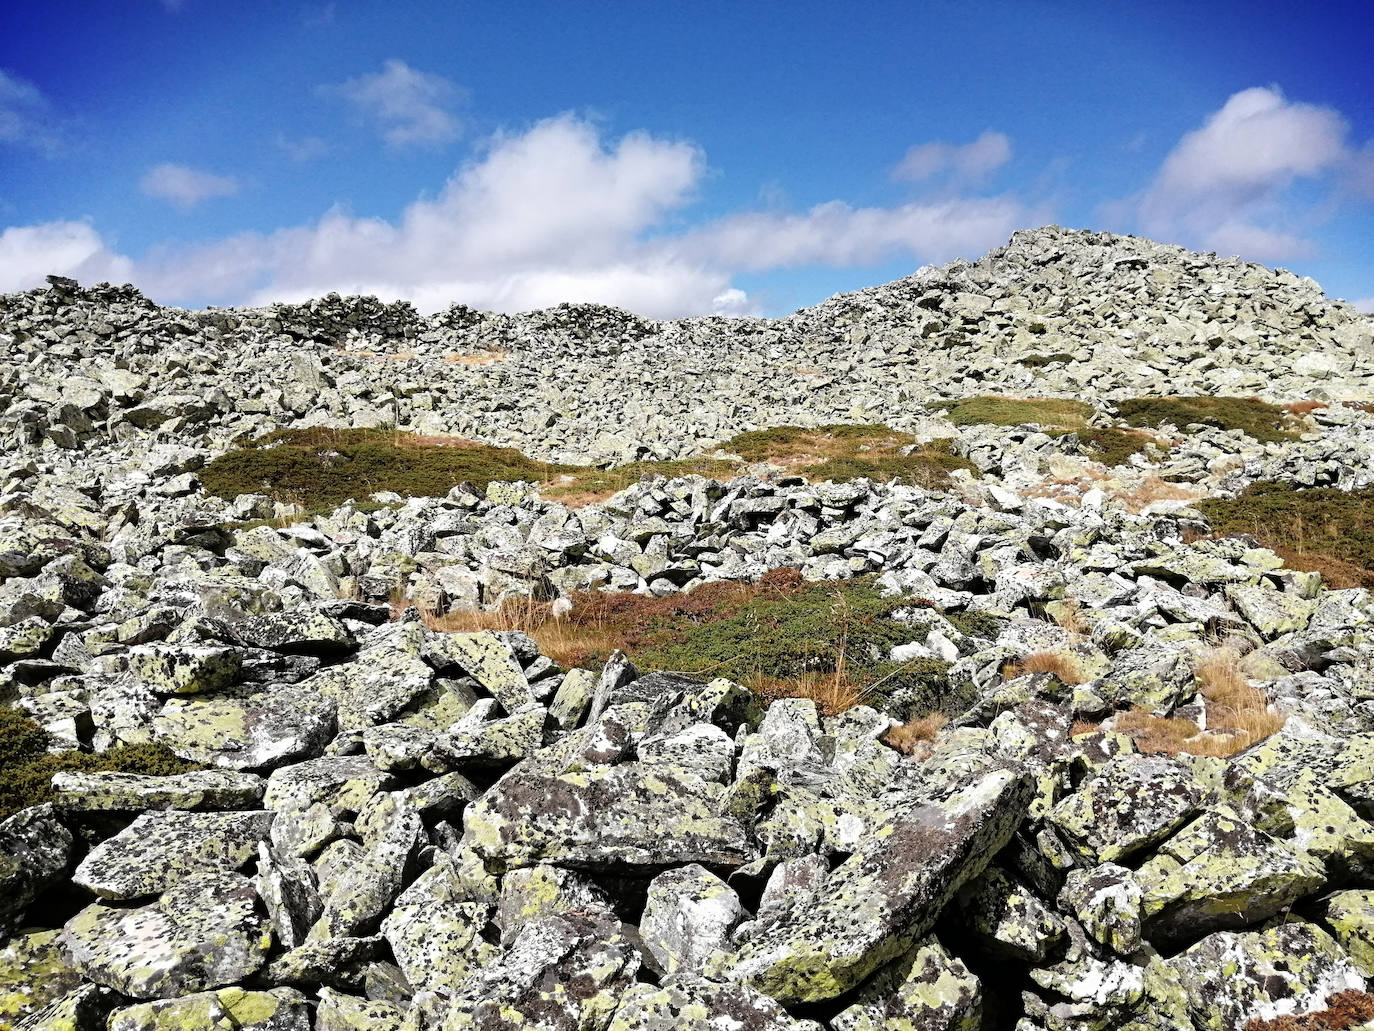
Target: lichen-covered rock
(35, 848)
(1132, 803)
(488, 660)
(342, 783)
(159, 849)
(357, 902)
(1350, 917)
(203, 933)
(184, 669)
(337, 962)
(688, 918)
(1007, 919)
(286, 885)
(229, 1009)
(624, 816)
(560, 973)
(885, 897)
(82, 1009)
(535, 891)
(1106, 900)
(1286, 969)
(1220, 873)
(300, 632)
(132, 792)
(33, 975)
(339, 1012)
(24, 639)
(435, 930)
(687, 1003)
(374, 688)
(928, 989)
(248, 731)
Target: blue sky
(671, 158)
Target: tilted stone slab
(689, 1004)
(1133, 803)
(159, 849)
(929, 988)
(204, 933)
(488, 660)
(615, 817)
(885, 897)
(229, 1009)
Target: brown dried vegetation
(1062, 664)
(913, 737)
(1344, 1011)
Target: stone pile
(402, 829)
(1055, 312)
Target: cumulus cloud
(307, 148)
(30, 253)
(409, 107)
(26, 116)
(1225, 185)
(1364, 304)
(561, 213)
(965, 163)
(184, 187)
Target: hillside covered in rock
(991, 649)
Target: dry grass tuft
(1238, 715)
(833, 693)
(1069, 616)
(1303, 407)
(477, 358)
(914, 738)
(1061, 664)
(565, 642)
(1082, 727)
(1344, 1011)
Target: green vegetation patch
(1265, 422)
(1112, 445)
(320, 469)
(1008, 411)
(829, 641)
(1322, 529)
(27, 767)
(845, 452)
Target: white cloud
(559, 213)
(1364, 304)
(26, 117)
(30, 253)
(411, 108)
(185, 187)
(1224, 184)
(307, 148)
(968, 162)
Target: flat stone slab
(204, 933)
(160, 849)
(133, 792)
(248, 731)
(615, 817)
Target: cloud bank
(184, 187)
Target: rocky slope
(397, 827)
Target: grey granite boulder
(885, 897)
(160, 849)
(688, 918)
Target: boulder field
(258, 774)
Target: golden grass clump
(1237, 715)
(1062, 664)
(915, 737)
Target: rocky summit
(993, 649)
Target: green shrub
(1322, 529)
(1261, 420)
(27, 768)
(1008, 411)
(813, 629)
(1113, 446)
(321, 469)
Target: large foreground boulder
(883, 899)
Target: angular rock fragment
(688, 1003)
(160, 849)
(613, 817)
(229, 1009)
(688, 918)
(927, 988)
(884, 898)
(184, 669)
(1132, 803)
(339, 1012)
(35, 848)
(252, 731)
(203, 933)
